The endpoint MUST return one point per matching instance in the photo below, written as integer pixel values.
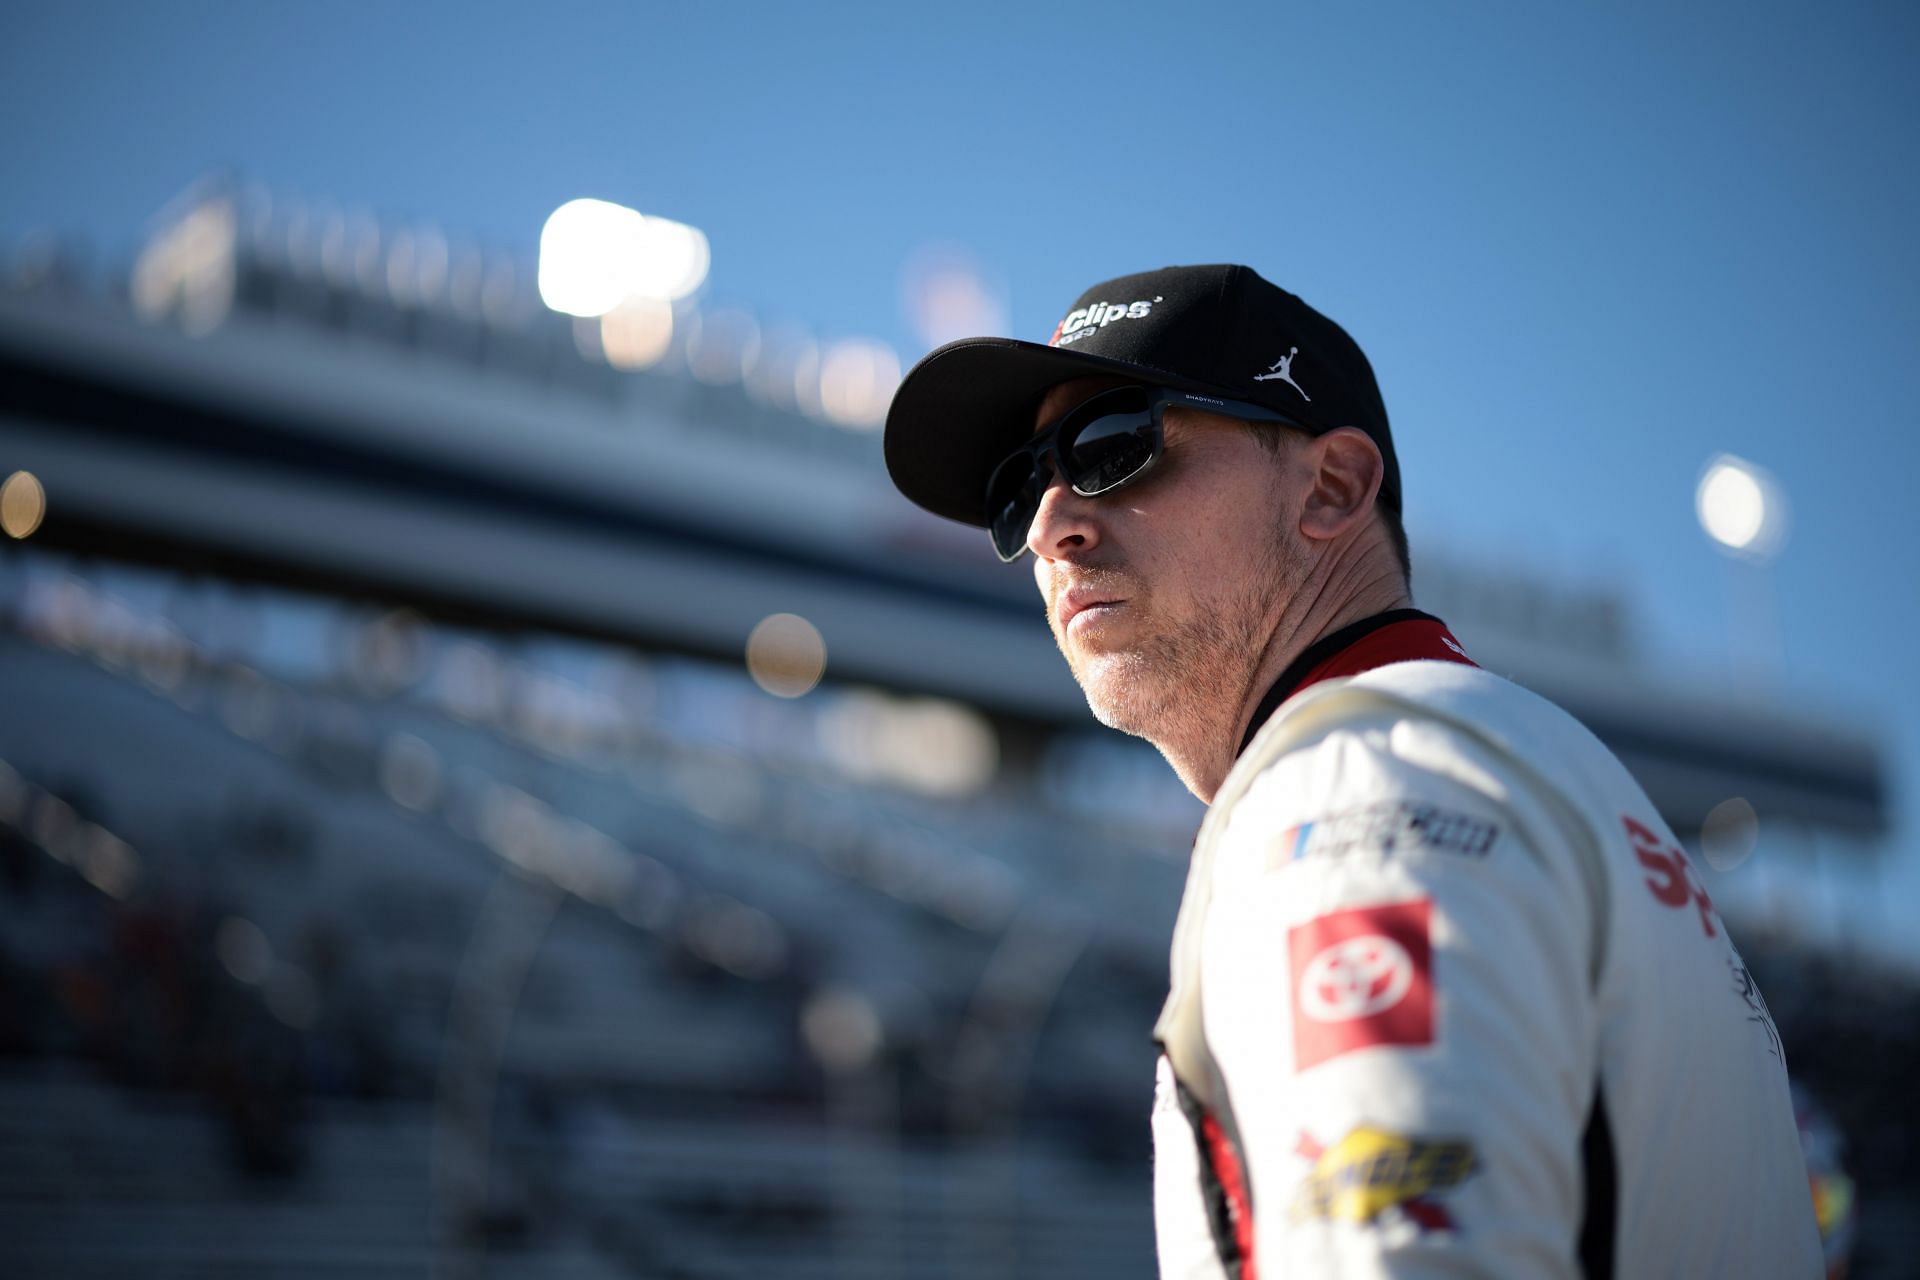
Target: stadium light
(673, 260)
(595, 255)
(587, 256)
(1741, 507)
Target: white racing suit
(1448, 999)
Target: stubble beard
(1190, 683)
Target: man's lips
(1076, 602)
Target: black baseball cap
(1215, 330)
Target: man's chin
(1118, 693)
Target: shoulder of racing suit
(1434, 823)
(1491, 735)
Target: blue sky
(1585, 249)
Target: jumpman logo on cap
(1283, 370)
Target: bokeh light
(743, 940)
(187, 271)
(1729, 834)
(244, 950)
(786, 655)
(595, 255)
(588, 255)
(842, 1029)
(410, 772)
(773, 378)
(108, 863)
(947, 296)
(23, 504)
(857, 381)
(722, 346)
(929, 745)
(672, 261)
(1741, 507)
(637, 333)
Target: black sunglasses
(1101, 444)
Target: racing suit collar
(1398, 635)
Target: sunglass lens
(1110, 450)
(1013, 495)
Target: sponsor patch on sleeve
(1362, 978)
(1393, 826)
(1371, 1174)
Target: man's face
(1164, 594)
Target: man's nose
(1064, 524)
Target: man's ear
(1346, 470)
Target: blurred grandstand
(489, 793)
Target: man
(1447, 996)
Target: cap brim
(965, 406)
